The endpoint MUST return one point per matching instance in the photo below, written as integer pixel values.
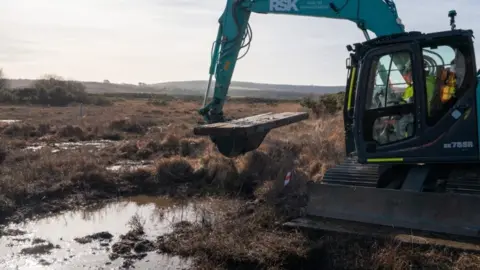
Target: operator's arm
(378, 16)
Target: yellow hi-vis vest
(430, 81)
(408, 93)
(447, 90)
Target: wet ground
(9, 121)
(86, 239)
(94, 145)
(131, 165)
(121, 165)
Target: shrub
(52, 91)
(3, 80)
(327, 104)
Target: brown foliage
(247, 234)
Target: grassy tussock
(236, 238)
(30, 178)
(248, 234)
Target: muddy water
(49, 243)
(9, 121)
(71, 145)
(130, 165)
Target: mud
(101, 236)
(117, 235)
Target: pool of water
(49, 243)
(131, 165)
(9, 121)
(99, 144)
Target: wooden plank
(251, 125)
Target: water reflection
(98, 144)
(158, 214)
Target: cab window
(444, 70)
(391, 84)
(393, 77)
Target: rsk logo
(283, 5)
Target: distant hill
(237, 89)
(244, 86)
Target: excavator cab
(411, 123)
(400, 114)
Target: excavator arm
(239, 136)
(234, 34)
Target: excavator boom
(234, 34)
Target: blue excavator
(411, 115)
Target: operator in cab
(406, 122)
(446, 81)
(430, 81)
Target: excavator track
(464, 181)
(352, 173)
(351, 199)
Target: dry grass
(246, 235)
(146, 132)
(30, 178)
(236, 238)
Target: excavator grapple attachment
(242, 135)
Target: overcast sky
(157, 40)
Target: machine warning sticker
(314, 4)
(283, 5)
(464, 144)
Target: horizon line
(192, 80)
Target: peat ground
(246, 234)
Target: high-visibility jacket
(447, 89)
(408, 93)
(430, 81)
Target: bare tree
(3, 80)
(51, 76)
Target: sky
(151, 41)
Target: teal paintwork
(378, 16)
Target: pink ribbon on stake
(288, 177)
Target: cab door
(387, 110)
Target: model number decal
(464, 144)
